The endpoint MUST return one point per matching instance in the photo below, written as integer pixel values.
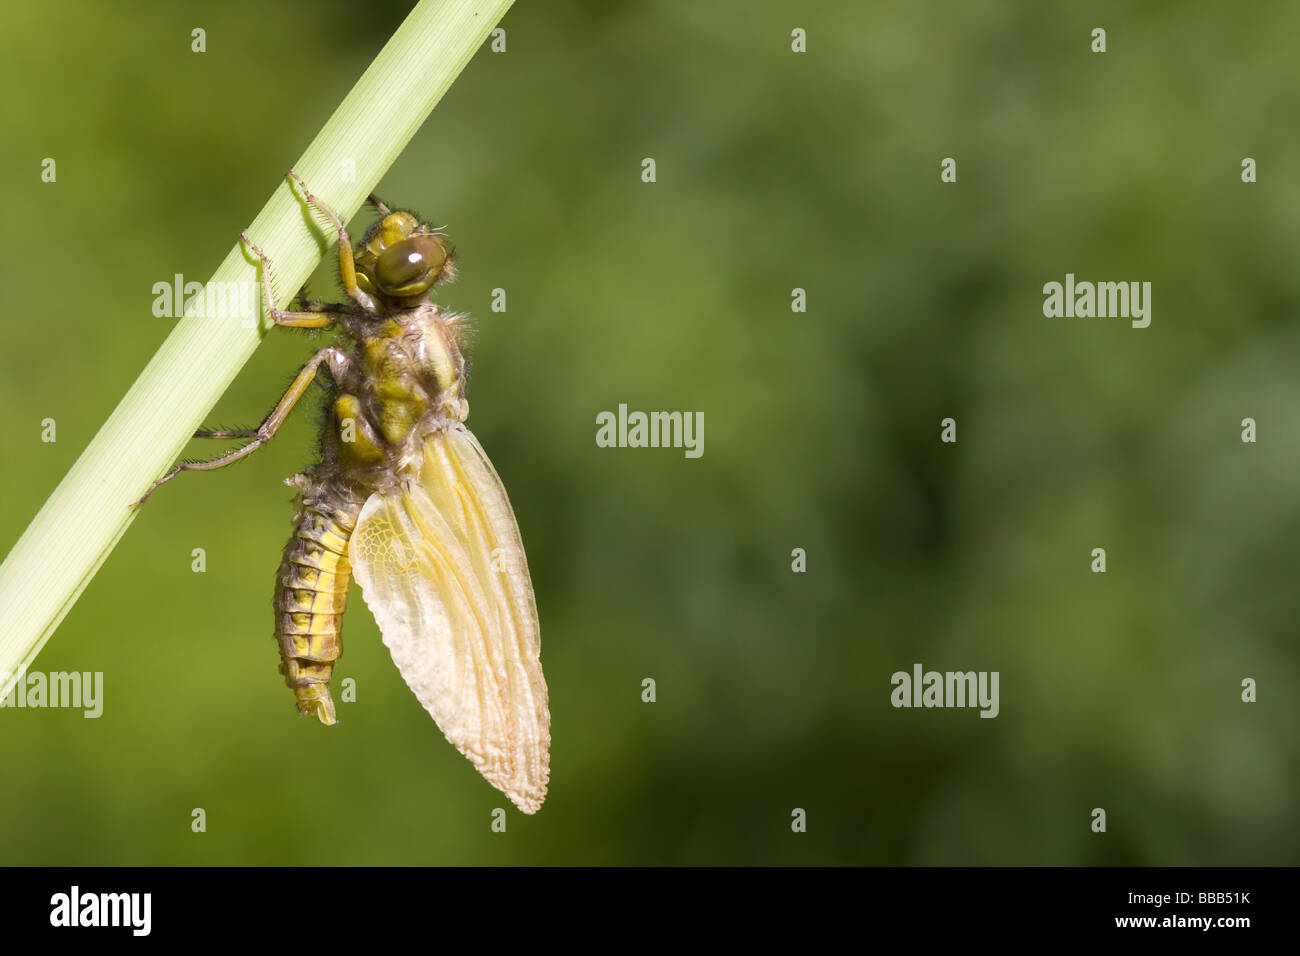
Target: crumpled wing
(441, 566)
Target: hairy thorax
(408, 381)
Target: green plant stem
(91, 508)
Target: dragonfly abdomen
(311, 593)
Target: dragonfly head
(401, 257)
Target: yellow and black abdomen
(311, 593)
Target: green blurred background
(775, 171)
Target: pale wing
(442, 568)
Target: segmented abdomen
(311, 593)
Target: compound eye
(411, 266)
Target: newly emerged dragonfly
(405, 498)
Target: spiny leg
(337, 359)
(347, 267)
(380, 206)
(226, 433)
(313, 318)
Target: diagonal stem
(91, 509)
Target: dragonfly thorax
(412, 375)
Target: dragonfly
(405, 499)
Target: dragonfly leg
(313, 318)
(226, 433)
(338, 362)
(380, 206)
(347, 267)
